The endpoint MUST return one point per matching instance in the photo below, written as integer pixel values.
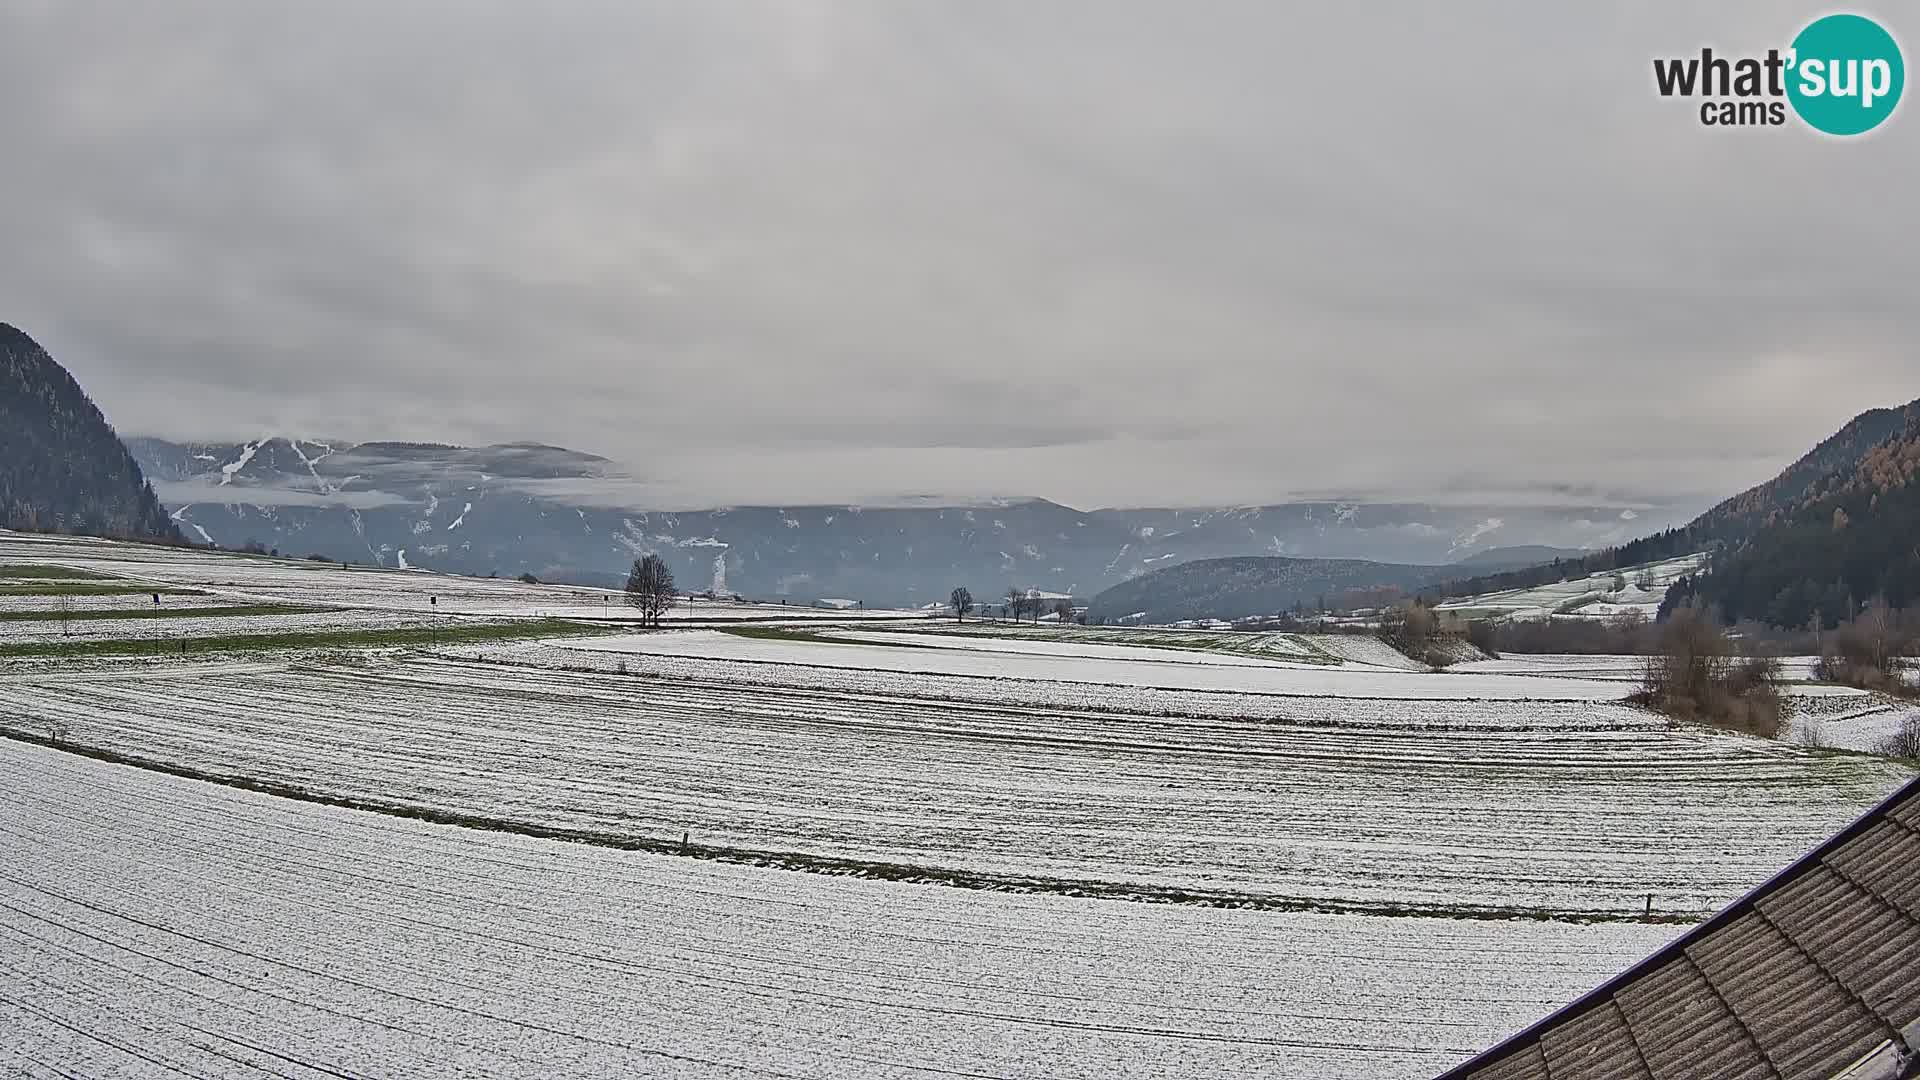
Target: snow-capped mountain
(557, 513)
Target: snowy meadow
(819, 844)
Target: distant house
(1815, 974)
(1047, 605)
(836, 603)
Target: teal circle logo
(1845, 74)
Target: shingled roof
(1815, 975)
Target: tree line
(1019, 604)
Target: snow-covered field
(1268, 644)
(1244, 649)
(1297, 797)
(1864, 722)
(1591, 596)
(1020, 644)
(1629, 669)
(124, 602)
(1043, 695)
(1354, 813)
(156, 926)
(252, 579)
(1069, 663)
(189, 626)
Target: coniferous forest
(1833, 531)
(62, 468)
(1850, 538)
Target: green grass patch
(786, 633)
(92, 588)
(236, 610)
(43, 570)
(1255, 643)
(412, 635)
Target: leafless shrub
(1484, 634)
(1409, 628)
(1626, 634)
(1870, 651)
(1813, 733)
(1904, 742)
(1696, 676)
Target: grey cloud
(1109, 253)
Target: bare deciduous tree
(1870, 651)
(1697, 675)
(1878, 634)
(1904, 741)
(962, 603)
(650, 589)
(1409, 628)
(1063, 610)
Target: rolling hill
(1831, 530)
(1248, 587)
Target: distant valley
(556, 513)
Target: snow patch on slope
(310, 463)
(1468, 538)
(246, 455)
(180, 518)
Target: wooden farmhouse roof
(1814, 975)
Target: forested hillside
(1847, 536)
(62, 468)
(1807, 479)
(1249, 586)
(1732, 522)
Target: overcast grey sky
(1107, 252)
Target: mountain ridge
(555, 512)
(62, 466)
(1818, 537)
(1728, 523)
(1839, 540)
